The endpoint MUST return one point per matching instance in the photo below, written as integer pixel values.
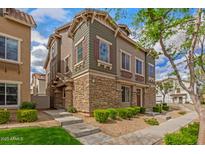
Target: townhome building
(93, 63)
(15, 38)
(176, 94)
(38, 84)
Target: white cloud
(41, 14)
(38, 56)
(37, 37)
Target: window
(8, 48)
(125, 94)
(125, 61)
(151, 70)
(8, 94)
(138, 66)
(104, 51)
(79, 50)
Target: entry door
(139, 97)
(180, 100)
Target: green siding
(83, 30)
(97, 28)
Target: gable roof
(19, 16)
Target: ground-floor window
(126, 94)
(8, 94)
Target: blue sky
(49, 19)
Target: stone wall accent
(81, 93)
(104, 93)
(58, 101)
(68, 94)
(149, 97)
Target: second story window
(139, 67)
(8, 48)
(151, 70)
(126, 60)
(104, 52)
(79, 50)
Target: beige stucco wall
(14, 72)
(129, 48)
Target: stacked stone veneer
(149, 97)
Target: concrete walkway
(152, 135)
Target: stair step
(81, 129)
(69, 120)
(62, 114)
(95, 139)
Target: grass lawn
(37, 136)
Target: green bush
(72, 109)
(142, 110)
(136, 110)
(164, 104)
(112, 113)
(157, 108)
(182, 112)
(203, 103)
(130, 112)
(26, 115)
(186, 136)
(28, 105)
(4, 116)
(165, 108)
(122, 113)
(101, 115)
(151, 121)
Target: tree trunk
(201, 136)
(163, 99)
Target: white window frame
(149, 64)
(129, 93)
(127, 53)
(19, 48)
(136, 58)
(76, 44)
(106, 42)
(18, 95)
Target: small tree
(164, 88)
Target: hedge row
(102, 115)
(23, 115)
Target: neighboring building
(176, 95)
(15, 40)
(38, 84)
(93, 63)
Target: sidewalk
(152, 135)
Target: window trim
(18, 61)
(127, 53)
(19, 83)
(104, 41)
(136, 58)
(129, 93)
(149, 64)
(76, 57)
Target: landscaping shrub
(4, 116)
(164, 104)
(122, 113)
(186, 136)
(142, 110)
(72, 109)
(27, 115)
(28, 105)
(165, 108)
(112, 113)
(136, 110)
(157, 108)
(203, 103)
(151, 121)
(130, 112)
(101, 115)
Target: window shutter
(74, 55)
(111, 54)
(85, 48)
(96, 48)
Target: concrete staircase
(86, 134)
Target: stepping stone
(95, 139)
(69, 120)
(81, 129)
